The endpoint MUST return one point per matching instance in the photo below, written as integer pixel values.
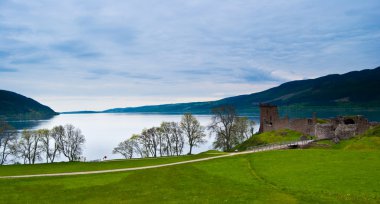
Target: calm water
(104, 131)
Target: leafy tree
(193, 130)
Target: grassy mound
(212, 152)
(268, 138)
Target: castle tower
(268, 115)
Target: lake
(104, 131)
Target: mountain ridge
(17, 106)
(354, 88)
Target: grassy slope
(269, 137)
(339, 175)
(93, 166)
(289, 176)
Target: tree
(56, 134)
(28, 146)
(193, 130)
(166, 134)
(124, 148)
(44, 134)
(244, 127)
(149, 139)
(161, 141)
(230, 129)
(70, 144)
(173, 138)
(177, 139)
(138, 148)
(8, 139)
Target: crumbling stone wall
(270, 120)
(324, 131)
(344, 131)
(304, 125)
(337, 128)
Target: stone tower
(268, 116)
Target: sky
(95, 55)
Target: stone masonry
(338, 127)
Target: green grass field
(345, 173)
(287, 176)
(63, 167)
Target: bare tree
(230, 129)
(56, 134)
(149, 139)
(124, 148)
(173, 138)
(193, 130)
(28, 146)
(244, 127)
(138, 146)
(8, 139)
(166, 134)
(71, 143)
(161, 140)
(177, 139)
(44, 134)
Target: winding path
(259, 149)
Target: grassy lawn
(62, 167)
(348, 172)
(288, 176)
(269, 137)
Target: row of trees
(170, 138)
(31, 146)
(166, 140)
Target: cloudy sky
(96, 54)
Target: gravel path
(266, 148)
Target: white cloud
(180, 50)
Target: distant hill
(16, 106)
(353, 89)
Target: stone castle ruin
(338, 128)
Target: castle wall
(304, 125)
(324, 131)
(338, 128)
(346, 131)
(268, 117)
